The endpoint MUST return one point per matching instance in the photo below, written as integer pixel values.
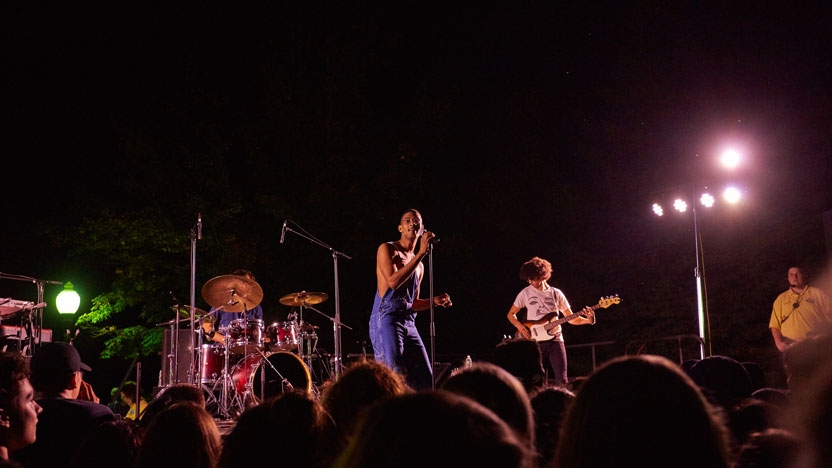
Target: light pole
(730, 195)
(701, 291)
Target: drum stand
(336, 359)
(210, 397)
(224, 405)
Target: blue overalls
(396, 340)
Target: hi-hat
(184, 311)
(303, 298)
(232, 293)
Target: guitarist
(540, 299)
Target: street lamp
(68, 300)
(730, 195)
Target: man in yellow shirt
(799, 311)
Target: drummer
(243, 296)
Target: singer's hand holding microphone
(426, 238)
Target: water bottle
(468, 361)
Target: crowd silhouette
(632, 411)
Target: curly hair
(536, 269)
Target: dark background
(517, 129)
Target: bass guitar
(541, 329)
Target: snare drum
(212, 361)
(283, 336)
(244, 335)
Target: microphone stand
(432, 324)
(336, 322)
(331, 319)
(196, 233)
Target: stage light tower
(700, 195)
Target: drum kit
(255, 361)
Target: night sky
(538, 128)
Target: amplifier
(13, 332)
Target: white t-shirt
(540, 303)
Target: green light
(68, 300)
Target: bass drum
(263, 378)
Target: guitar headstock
(608, 301)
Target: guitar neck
(568, 318)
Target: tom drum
(283, 336)
(212, 361)
(244, 335)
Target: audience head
(771, 448)
(433, 428)
(362, 384)
(805, 360)
(549, 405)
(643, 410)
(183, 435)
(523, 359)
(723, 380)
(175, 393)
(498, 390)
(778, 397)
(57, 370)
(18, 408)
(292, 425)
(109, 444)
(752, 416)
(756, 373)
(811, 418)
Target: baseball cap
(56, 358)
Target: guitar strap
(554, 307)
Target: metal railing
(673, 347)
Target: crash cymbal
(303, 298)
(184, 311)
(232, 293)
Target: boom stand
(193, 377)
(331, 319)
(336, 322)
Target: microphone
(283, 231)
(434, 240)
(199, 226)
(173, 296)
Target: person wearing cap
(57, 377)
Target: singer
(399, 271)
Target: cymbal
(232, 293)
(303, 298)
(184, 311)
